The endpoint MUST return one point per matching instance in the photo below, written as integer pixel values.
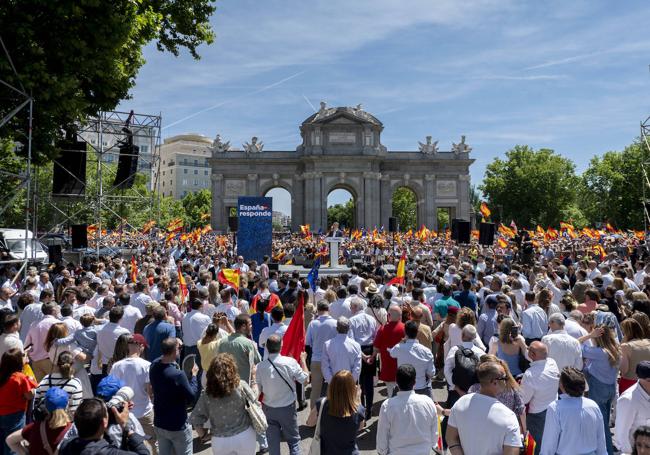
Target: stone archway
(348, 221)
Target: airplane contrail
(215, 106)
(309, 102)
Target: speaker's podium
(333, 243)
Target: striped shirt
(72, 386)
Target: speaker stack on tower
(69, 172)
(486, 233)
(233, 223)
(79, 235)
(127, 165)
(460, 230)
(392, 224)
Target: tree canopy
(532, 187)
(341, 213)
(405, 208)
(77, 57)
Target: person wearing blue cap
(44, 437)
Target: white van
(13, 243)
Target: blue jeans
(603, 394)
(282, 421)
(8, 424)
(535, 425)
(174, 442)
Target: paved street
(366, 439)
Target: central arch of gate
(341, 148)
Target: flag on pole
(134, 270)
(502, 243)
(401, 269)
(293, 342)
(183, 285)
(529, 444)
(312, 276)
(229, 277)
(485, 210)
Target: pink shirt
(36, 337)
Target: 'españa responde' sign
(255, 234)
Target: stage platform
(321, 271)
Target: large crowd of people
(543, 347)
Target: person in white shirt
(226, 305)
(479, 424)
(140, 298)
(355, 279)
(633, 409)
(277, 328)
(134, 372)
(241, 265)
(539, 387)
(562, 347)
(572, 325)
(194, 324)
(363, 329)
(411, 352)
(468, 334)
(66, 317)
(321, 329)
(341, 353)
(276, 376)
(341, 306)
(131, 313)
(408, 422)
(574, 424)
(5, 298)
(107, 335)
(10, 338)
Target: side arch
(418, 191)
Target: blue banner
(255, 234)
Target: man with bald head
(539, 387)
(388, 336)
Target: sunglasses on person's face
(501, 378)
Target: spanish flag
(502, 243)
(293, 342)
(529, 445)
(205, 216)
(229, 277)
(183, 285)
(485, 210)
(306, 230)
(609, 228)
(175, 225)
(134, 270)
(147, 226)
(401, 269)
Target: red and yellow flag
(134, 270)
(529, 445)
(401, 271)
(229, 277)
(306, 230)
(502, 243)
(175, 225)
(485, 210)
(148, 226)
(183, 285)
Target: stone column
(384, 199)
(371, 192)
(297, 202)
(463, 210)
(252, 186)
(320, 203)
(430, 205)
(308, 208)
(219, 218)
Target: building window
(163, 161)
(196, 172)
(184, 171)
(196, 162)
(163, 172)
(205, 172)
(171, 172)
(184, 182)
(163, 184)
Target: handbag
(255, 412)
(314, 448)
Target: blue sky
(571, 76)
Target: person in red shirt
(16, 390)
(388, 336)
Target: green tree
(77, 57)
(405, 208)
(195, 205)
(612, 187)
(443, 219)
(341, 213)
(533, 187)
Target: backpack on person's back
(464, 373)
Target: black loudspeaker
(69, 172)
(460, 230)
(486, 233)
(274, 266)
(392, 224)
(55, 254)
(127, 165)
(233, 223)
(79, 235)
